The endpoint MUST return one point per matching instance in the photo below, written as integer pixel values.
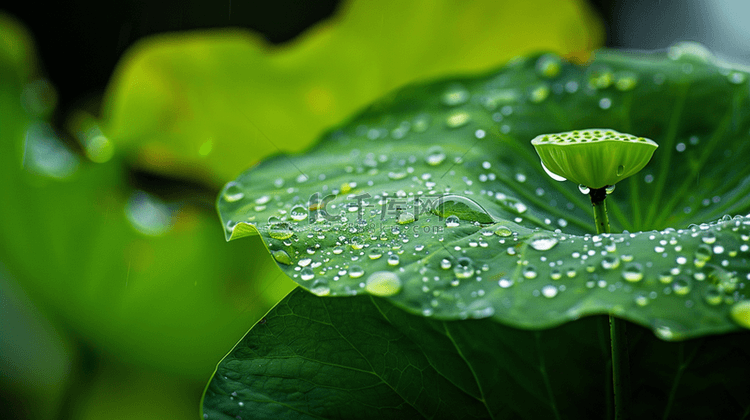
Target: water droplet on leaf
(383, 283)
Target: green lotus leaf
(209, 104)
(363, 358)
(519, 248)
(594, 158)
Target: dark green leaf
(363, 358)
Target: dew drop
(702, 255)
(505, 283)
(452, 221)
(356, 272)
(736, 77)
(609, 189)
(435, 156)
(393, 260)
(383, 283)
(280, 231)
(233, 192)
(298, 213)
(320, 288)
(445, 264)
(548, 65)
(307, 274)
(375, 253)
(633, 272)
(464, 268)
(610, 262)
(463, 208)
(455, 96)
(539, 94)
(709, 238)
(282, 257)
(681, 286)
(543, 242)
(529, 272)
(583, 189)
(549, 291)
(503, 231)
(620, 170)
(457, 119)
(712, 295)
(405, 218)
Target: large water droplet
(503, 231)
(356, 272)
(405, 218)
(549, 291)
(307, 274)
(435, 156)
(464, 268)
(702, 255)
(320, 288)
(505, 283)
(298, 213)
(233, 192)
(681, 285)
(383, 283)
(633, 272)
(452, 221)
(610, 262)
(543, 242)
(280, 231)
(457, 119)
(282, 257)
(709, 238)
(712, 295)
(462, 207)
(393, 260)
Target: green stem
(617, 332)
(600, 209)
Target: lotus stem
(617, 327)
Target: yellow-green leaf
(209, 104)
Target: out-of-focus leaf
(136, 277)
(210, 104)
(436, 197)
(363, 358)
(16, 47)
(125, 392)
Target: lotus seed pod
(594, 157)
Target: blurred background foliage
(120, 121)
